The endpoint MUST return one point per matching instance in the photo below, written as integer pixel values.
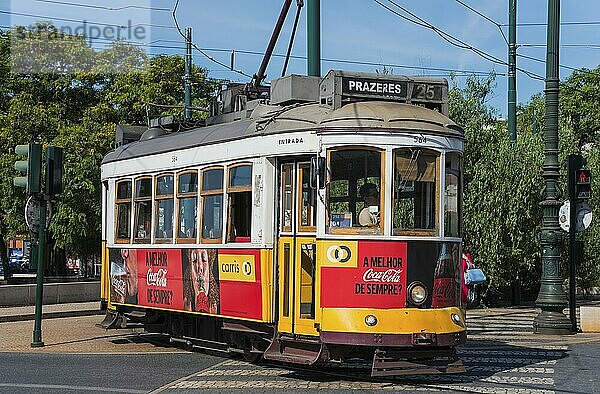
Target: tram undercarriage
(393, 355)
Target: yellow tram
(321, 223)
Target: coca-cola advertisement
(446, 277)
(123, 276)
(148, 277)
(201, 280)
(378, 280)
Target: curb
(51, 315)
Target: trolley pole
(512, 71)
(188, 73)
(551, 298)
(313, 10)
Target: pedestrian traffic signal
(583, 184)
(54, 170)
(31, 167)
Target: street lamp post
(551, 298)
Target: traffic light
(583, 184)
(54, 170)
(32, 168)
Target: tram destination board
(399, 90)
(374, 87)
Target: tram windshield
(354, 191)
(356, 205)
(415, 189)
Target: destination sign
(374, 87)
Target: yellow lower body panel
(391, 321)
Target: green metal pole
(39, 291)
(188, 73)
(313, 10)
(512, 71)
(551, 298)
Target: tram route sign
(341, 87)
(374, 87)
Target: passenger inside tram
(369, 215)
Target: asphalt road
(501, 356)
(94, 373)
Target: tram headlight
(417, 293)
(456, 319)
(370, 320)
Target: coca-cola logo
(388, 276)
(444, 292)
(158, 278)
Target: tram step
(111, 320)
(295, 350)
(386, 364)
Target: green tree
(54, 89)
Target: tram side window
(415, 191)
(453, 195)
(164, 208)
(354, 199)
(239, 189)
(187, 203)
(287, 190)
(307, 208)
(123, 212)
(143, 210)
(212, 205)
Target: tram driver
(369, 215)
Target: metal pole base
(37, 344)
(552, 322)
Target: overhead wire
(100, 7)
(484, 17)
(447, 71)
(212, 59)
(44, 17)
(457, 42)
(582, 23)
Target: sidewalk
(21, 313)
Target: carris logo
(247, 267)
(339, 254)
(158, 278)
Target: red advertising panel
(240, 280)
(159, 278)
(376, 280)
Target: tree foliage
(54, 89)
(503, 182)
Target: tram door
(297, 249)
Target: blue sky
(354, 30)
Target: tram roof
(270, 119)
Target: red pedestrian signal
(583, 184)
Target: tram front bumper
(394, 327)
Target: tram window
(239, 189)
(415, 191)
(212, 205)
(143, 210)
(187, 202)
(307, 208)
(287, 190)
(354, 198)
(123, 211)
(453, 195)
(164, 208)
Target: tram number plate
(424, 91)
(419, 139)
